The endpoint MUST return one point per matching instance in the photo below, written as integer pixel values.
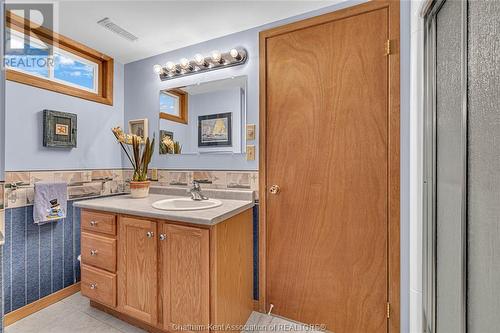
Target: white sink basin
(186, 204)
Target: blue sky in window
(36, 65)
(21, 56)
(73, 71)
(167, 104)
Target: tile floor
(263, 323)
(71, 315)
(74, 315)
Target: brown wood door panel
(185, 278)
(327, 148)
(137, 269)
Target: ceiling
(168, 25)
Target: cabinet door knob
(274, 189)
(163, 237)
(93, 286)
(93, 223)
(93, 252)
(150, 234)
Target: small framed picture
(139, 127)
(59, 129)
(214, 130)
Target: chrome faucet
(195, 192)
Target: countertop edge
(165, 216)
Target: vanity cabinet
(137, 268)
(185, 276)
(167, 275)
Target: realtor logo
(29, 28)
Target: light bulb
(184, 63)
(235, 54)
(158, 69)
(170, 66)
(216, 56)
(200, 59)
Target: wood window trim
(183, 107)
(105, 63)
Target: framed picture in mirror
(139, 127)
(174, 105)
(215, 130)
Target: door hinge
(388, 310)
(388, 47)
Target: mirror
(208, 117)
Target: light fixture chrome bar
(201, 64)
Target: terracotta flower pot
(139, 189)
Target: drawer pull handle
(93, 286)
(150, 234)
(93, 223)
(93, 252)
(163, 237)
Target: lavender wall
(96, 145)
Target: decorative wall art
(215, 130)
(59, 129)
(139, 127)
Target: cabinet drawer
(99, 251)
(99, 222)
(99, 285)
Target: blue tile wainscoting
(38, 259)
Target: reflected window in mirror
(173, 105)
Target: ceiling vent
(108, 24)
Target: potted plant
(139, 153)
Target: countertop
(125, 204)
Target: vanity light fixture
(200, 63)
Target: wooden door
(329, 145)
(185, 278)
(137, 268)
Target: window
(74, 71)
(50, 61)
(173, 105)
